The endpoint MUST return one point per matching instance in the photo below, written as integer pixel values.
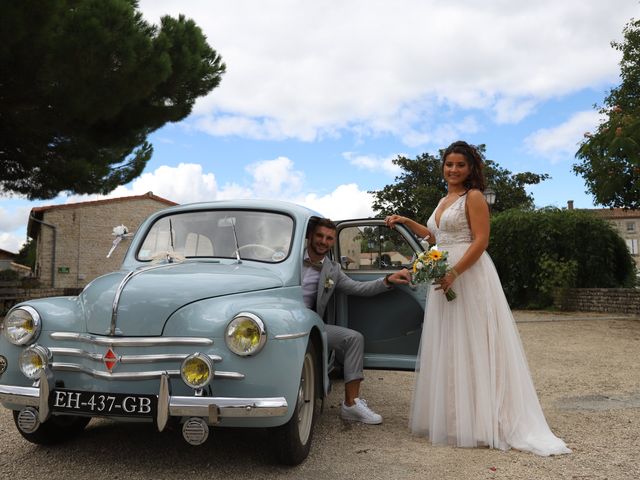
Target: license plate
(102, 403)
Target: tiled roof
(102, 202)
(615, 213)
(37, 212)
(7, 253)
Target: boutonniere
(328, 283)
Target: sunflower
(435, 255)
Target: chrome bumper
(211, 408)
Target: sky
(320, 96)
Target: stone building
(7, 262)
(625, 222)
(72, 240)
(6, 258)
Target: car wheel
(58, 429)
(293, 439)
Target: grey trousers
(349, 347)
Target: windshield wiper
(170, 255)
(235, 237)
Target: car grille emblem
(110, 359)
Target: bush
(537, 251)
(555, 277)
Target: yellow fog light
(197, 370)
(32, 360)
(246, 334)
(22, 325)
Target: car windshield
(255, 235)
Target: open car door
(390, 322)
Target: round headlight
(246, 334)
(22, 325)
(197, 370)
(32, 360)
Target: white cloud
(512, 110)
(187, 183)
(305, 70)
(14, 219)
(11, 242)
(268, 179)
(373, 162)
(184, 183)
(272, 178)
(562, 140)
(345, 202)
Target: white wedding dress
(473, 385)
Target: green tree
(83, 83)
(27, 254)
(610, 157)
(537, 251)
(420, 186)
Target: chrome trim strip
(116, 301)
(72, 367)
(177, 406)
(228, 375)
(228, 407)
(161, 358)
(76, 352)
(98, 357)
(130, 341)
(27, 396)
(116, 298)
(291, 336)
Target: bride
(473, 385)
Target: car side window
(374, 247)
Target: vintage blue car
(205, 325)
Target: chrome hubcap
(306, 399)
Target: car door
(391, 322)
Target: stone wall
(10, 294)
(612, 300)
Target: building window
(632, 245)
(631, 226)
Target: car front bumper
(211, 408)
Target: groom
(320, 278)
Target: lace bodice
(454, 227)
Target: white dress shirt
(310, 278)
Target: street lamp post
(490, 196)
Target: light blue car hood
(150, 297)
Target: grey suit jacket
(332, 278)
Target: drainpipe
(53, 254)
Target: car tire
(293, 439)
(58, 429)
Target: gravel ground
(586, 368)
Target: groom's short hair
(316, 222)
(325, 222)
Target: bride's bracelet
(454, 272)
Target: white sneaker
(360, 412)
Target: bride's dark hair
(475, 179)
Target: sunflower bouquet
(432, 265)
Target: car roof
(250, 204)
